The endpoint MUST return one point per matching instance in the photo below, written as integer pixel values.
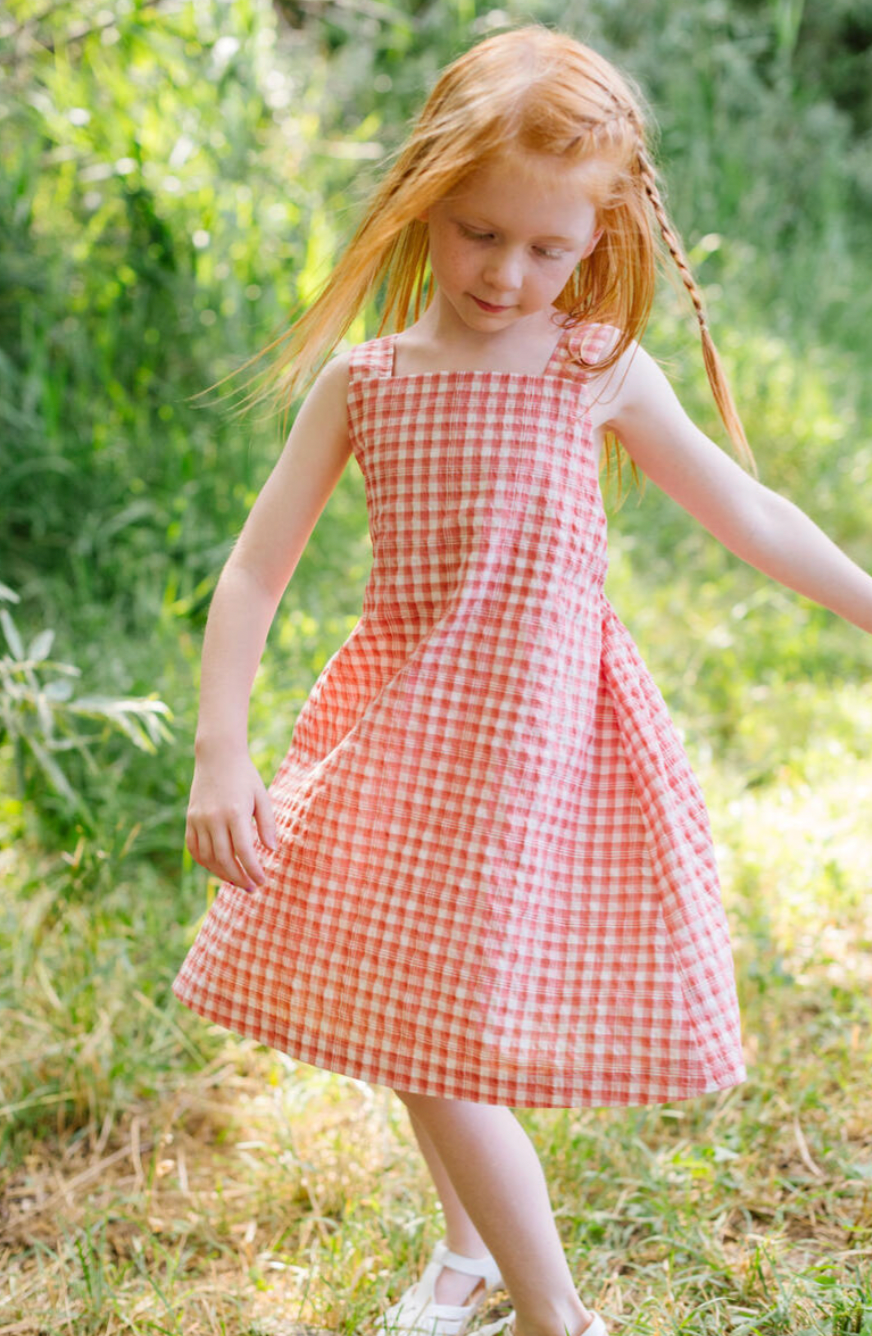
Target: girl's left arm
(637, 403)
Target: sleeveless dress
(494, 878)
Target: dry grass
(262, 1193)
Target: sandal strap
(504, 1326)
(484, 1267)
(416, 1313)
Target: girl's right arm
(227, 792)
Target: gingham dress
(495, 878)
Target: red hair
(538, 91)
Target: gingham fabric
(495, 878)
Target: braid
(713, 365)
(649, 181)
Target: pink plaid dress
(495, 878)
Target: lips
(489, 306)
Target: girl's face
(504, 244)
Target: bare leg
(452, 1287)
(495, 1174)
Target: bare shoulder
(324, 411)
(332, 380)
(635, 400)
(632, 382)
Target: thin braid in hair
(713, 365)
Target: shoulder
(324, 406)
(634, 381)
(328, 393)
(333, 377)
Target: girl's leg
(495, 1174)
(452, 1287)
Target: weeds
(44, 720)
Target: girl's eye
(545, 252)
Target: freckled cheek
(561, 276)
(450, 260)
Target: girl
(484, 873)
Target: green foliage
(44, 720)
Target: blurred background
(175, 177)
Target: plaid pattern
(495, 878)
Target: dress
(495, 878)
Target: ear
(423, 217)
(592, 244)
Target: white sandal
(416, 1312)
(506, 1326)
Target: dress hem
(472, 1090)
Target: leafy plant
(46, 720)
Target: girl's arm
(636, 401)
(227, 791)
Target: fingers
(227, 813)
(192, 841)
(227, 851)
(265, 818)
(227, 862)
(217, 858)
(242, 841)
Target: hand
(226, 794)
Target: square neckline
(545, 374)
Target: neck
(438, 342)
(441, 327)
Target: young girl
(484, 873)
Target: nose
(503, 270)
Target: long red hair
(545, 93)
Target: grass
(167, 1178)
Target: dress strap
(375, 358)
(583, 347)
(576, 348)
